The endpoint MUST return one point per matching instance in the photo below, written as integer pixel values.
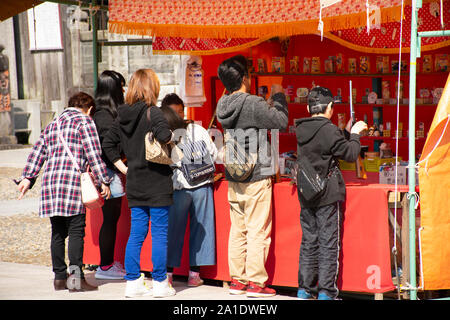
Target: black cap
(318, 99)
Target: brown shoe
(60, 284)
(79, 285)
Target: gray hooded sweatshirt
(255, 117)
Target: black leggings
(62, 227)
(107, 237)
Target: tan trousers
(251, 226)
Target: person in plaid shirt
(61, 189)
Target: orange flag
(434, 182)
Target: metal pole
(18, 52)
(415, 5)
(94, 45)
(438, 33)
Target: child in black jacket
(323, 143)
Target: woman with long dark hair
(108, 97)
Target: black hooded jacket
(323, 144)
(104, 119)
(148, 184)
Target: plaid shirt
(61, 189)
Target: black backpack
(197, 165)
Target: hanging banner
(386, 38)
(191, 83)
(434, 183)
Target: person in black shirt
(108, 97)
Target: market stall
(285, 50)
(381, 111)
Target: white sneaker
(113, 273)
(163, 289)
(137, 288)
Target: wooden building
(44, 78)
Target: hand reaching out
(23, 187)
(359, 127)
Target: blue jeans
(140, 217)
(198, 205)
(116, 186)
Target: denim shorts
(116, 185)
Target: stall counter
(364, 258)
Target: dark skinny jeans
(63, 227)
(107, 236)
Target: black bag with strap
(309, 183)
(197, 165)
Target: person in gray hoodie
(247, 118)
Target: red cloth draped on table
(365, 256)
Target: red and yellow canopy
(213, 26)
(239, 18)
(385, 39)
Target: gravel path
(24, 237)
(8, 189)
